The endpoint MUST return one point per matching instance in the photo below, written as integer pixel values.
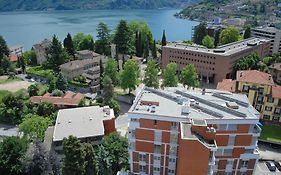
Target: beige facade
(40, 50)
(275, 71)
(213, 65)
(178, 132)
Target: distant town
(126, 104)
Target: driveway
(8, 130)
(15, 86)
(269, 153)
(263, 170)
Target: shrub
(57, 93)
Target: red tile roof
(13, 57)
(254, 76)
(69, 99)
(276, 91)
(276, 66)
(227, 85)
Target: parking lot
(263, 170)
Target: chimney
(203, 91)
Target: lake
(28, 28)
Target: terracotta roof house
(69, 100)
(261, 91)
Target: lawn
(9, 80)
(39, 71)
(271, 133)
(3, 93)
(42, 88)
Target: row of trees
(228, 35)
(5, 64)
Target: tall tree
(45, 109)
(90, 164)
(170, 78)
(154, 50)
(56, 55)
(111, 70)
(73, 162)
(217, 38)
(146, 49)
(68, 45)
(12, 155)
(34, 126)
(103, 39)
(103, 163)
(122, 38)
(200, 32)
(208, 42)
(151, 75)
(189, 77)
(129, 76)
(247, 33)
(4, 50)
(22, 64)
(229, 35)
(101, 73)
(61, 82)
(83, 42)
(38, 161)
(108, 89)
(164, 40)
(30, 57)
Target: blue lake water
(28, 28)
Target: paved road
(8, 130)
(269, 153)
(263, 170)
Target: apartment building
(88, 124)
(275, 71)
(270, 33)
(261, 91)
(16, 50)
(180, 132)
(213, 65)
(40, 50)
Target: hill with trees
(21, 5)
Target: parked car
(28, 77)
(278, 165)
(270, 165)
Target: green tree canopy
(45, 109)
(164, 40)
(73, 163)
(229, 35)
(188, 76)
(34, 126)
(12, 155)
(108, 89)
(122, 37)
(56, 55)
(249, 62)
(154, 50)
(30, 57)
(200, 32)
(111, 70)
(83, 42)
(247, 33)
(103, 39)
(151, 74)
(4, 50)
(129, 76)
(170, 78)
(61, 83)
(90, 161)
(208, 42)
(68, 45)
(33, 90)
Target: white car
(32, 80)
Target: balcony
(256, 129)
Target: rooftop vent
(203, 91)
(185, 109)
(69, 121)
(153, 108)
(232, 105)
(91, 118)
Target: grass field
(4, 81)
(3, 93)
(271, 133)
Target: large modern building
(272, 34)
(88, 124)
(261, 91)
(40, 50)
(180, 132)
(213, 65)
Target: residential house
(261, 91)
(275, 71)
(40, 50)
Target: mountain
(22, 5)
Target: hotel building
(181, 132)
(213, 65)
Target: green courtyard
(271, 133)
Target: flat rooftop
(81, 122)
(224, 50)
(267, 29)
(192, 104)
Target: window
(229, 162)
(157, 136)
(228, 173)
(246, 88)
(171, 171)
(156, 169)
(134, 120)
(231, 140)
(232, 127)
(157, 149)
(155, 122)
(254, 140)
(258, 107)
(266, 117)
(277, 110)
(173, 150)
(142, 168)
(133, 133)
(157, 158)
(174, 138)
(172, 160)
(261, 90)
(275, 118)
(174, 126)
(268, 108)
(270, 100)
(219, 152)
(260, 99)
(245, 163)
(228, 152)
(242, 173)
(142, 157)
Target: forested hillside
(16, 5)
